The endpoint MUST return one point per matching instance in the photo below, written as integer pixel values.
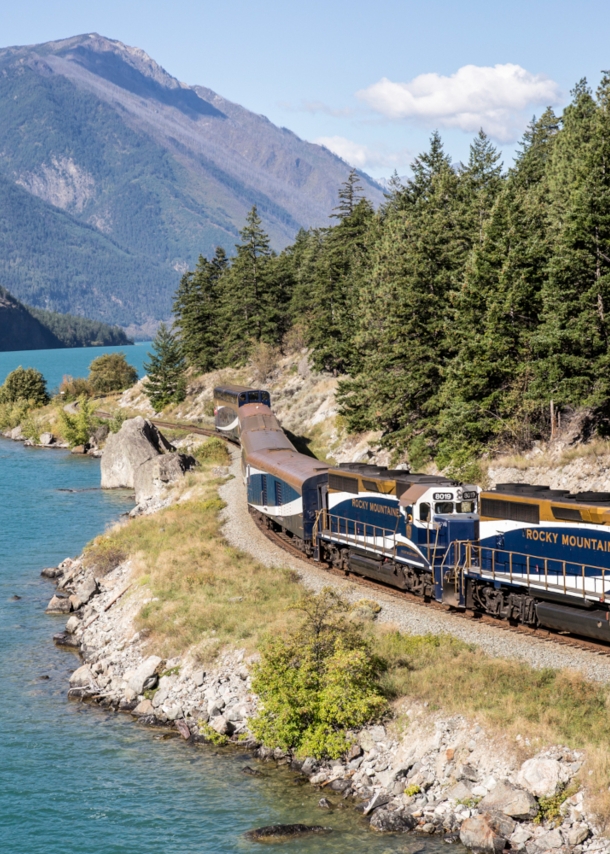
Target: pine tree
(338, 277)
(573, 340)
(486, 387)
(197, 312)
(165, 382)
(402, 328)
(253, 301)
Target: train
(520, 552)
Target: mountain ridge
(161, 170)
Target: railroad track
(284, 542)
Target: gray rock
(392, 821)
(72, 625)
(199, 678)
(379, 799)
(166, 684)
(153, 475)
(578, 834)
(281, 832)
(520, 836)
(151, 683)
(144, 709)
(83, 678)
(135, 443)
(58, 605)
(551, 840)
(148, 668)
(46, 439)
(221, 725)
(467, 772)
(479, 833)
(459, 792)
(16, 433)
(325, 804)
(309, 766)
(511, 801)
(87, 589)
(173, 712)
(540, 776)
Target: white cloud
(494, 98)
(362, 156)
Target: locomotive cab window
(466, 507)
(424, 512)
(443, 507)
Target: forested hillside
(114, 176)
(26, 328)
(470, 312)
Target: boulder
(87, 589)
(46, 439)
(58, 605)
(166, 683)
(392, 821)
(511, 801)
(144, 709)
(173, 712)
(459, 792)
(148, 668)
(82, 678)
(16, 433)
(135, 443)
(221, 725)
(550, 841)
(281, 832)
(153, 476)
(479, 833)
(578, 834)
(540, 776)
(72, 625)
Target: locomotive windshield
(443, 507)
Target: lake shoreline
(443, 781)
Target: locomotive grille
(567, 514)
(513, 510)
(342, 483)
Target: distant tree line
(75, 331)
(456, 313)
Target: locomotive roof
(383, 473)
(545, 493)
(235, 389)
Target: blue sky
(371, 80)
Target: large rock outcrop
(155, 474)
(135, 443)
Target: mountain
(114, 177)
(25, 328)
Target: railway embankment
(167, 611)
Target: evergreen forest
(469, 313)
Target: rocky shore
(440, 776)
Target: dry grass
(207, 595)
(544, 706)
(593, 450)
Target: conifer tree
(340, 270)
(573, 340)
(165, 379)
(252, 298)
(486, 387)
(197, 312)
(402, 330)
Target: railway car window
(242, 397)
(513, 510)
(567, 514)
(466, 507)
(342, 483)
(265, 399)
(424, 512)
(443, 507)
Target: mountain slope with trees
(114, 176)
(469, 313)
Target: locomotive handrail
(550, 573)
(361, 533)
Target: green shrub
(72, 388)
(317, 682)
(412, 790)
(111, 372)
(12, 414)
(26, 384)
(212, 451)
(77, 428)
(103, 555)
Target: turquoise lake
(54, 364)
(77, 780)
